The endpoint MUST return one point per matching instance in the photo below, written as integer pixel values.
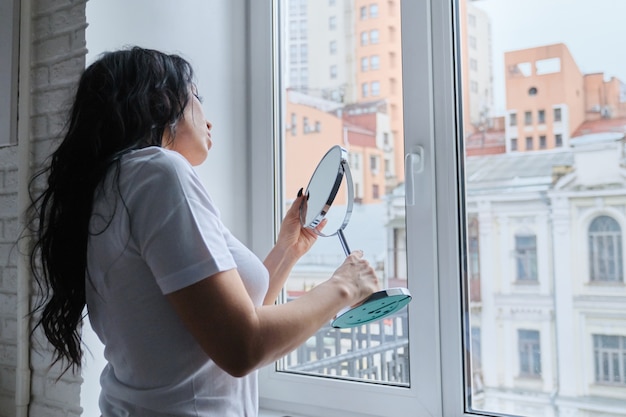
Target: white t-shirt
(165, 235)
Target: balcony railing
(375, 352)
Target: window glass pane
(355, 111)
(543, 118)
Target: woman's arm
(293, 242)
(240, 337)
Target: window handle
(413, 165)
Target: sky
(594, 31)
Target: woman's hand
(358, 276)
(294, 238)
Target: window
(373, 164)
(472, 42)
(609, 359)
(293, 124)
(528, 118)
(365, 88)
(364, 64)
(513, 144)
(305, 125)
(333, 72)
(375, 88)
(303, 29)
(529, 143)
(304, 53)
(471, 20)
(605, 250)
(532, 91)
(375, 191)
(364, 38)
(332, 22)
(541, 116)
(513, 119)
(543, 144)
(557, 115)
(374, 36)
(473, 64)
(374, 62)
(529, 353)
(363, 12)
(503, 191)
(526, 258)
(332, 47)
(293, 54)
(558, 140)
(373, 10)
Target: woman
(124, 226)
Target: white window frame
(436, 356)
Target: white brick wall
(58, 56)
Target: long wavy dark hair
(124, 101)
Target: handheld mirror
(322, 191)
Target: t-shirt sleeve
(175, 224)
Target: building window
(528, 118)
(513, 144)
(472, 42)
(293, 124)
(541, 116)
(365, 88)
(363, 12)
(471, 20)
(374, 62)
(473, 86)
(293, 29)
(364, 64)
(332, 47)
(375, 191)
(303, 29)
(293, 54)
(529, 353)
(373, 164)
(542, 142)
(332, 23)
(375, 88)
(526, 257)
(332, 2)
(373, 10)
(304, 53)
(557, 115)
(532, 91)
(609, 357)
(364, 38)
(605, 250)
(305, 125)
(333, 71)
(513, 119)
(318, 126)
(529, 143)
(373, 36)
(473, 64)
(558, 140)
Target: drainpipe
(23, 373)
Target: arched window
(605, 250)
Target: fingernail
(300, 192)
(308, 195)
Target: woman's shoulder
(155, 161)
